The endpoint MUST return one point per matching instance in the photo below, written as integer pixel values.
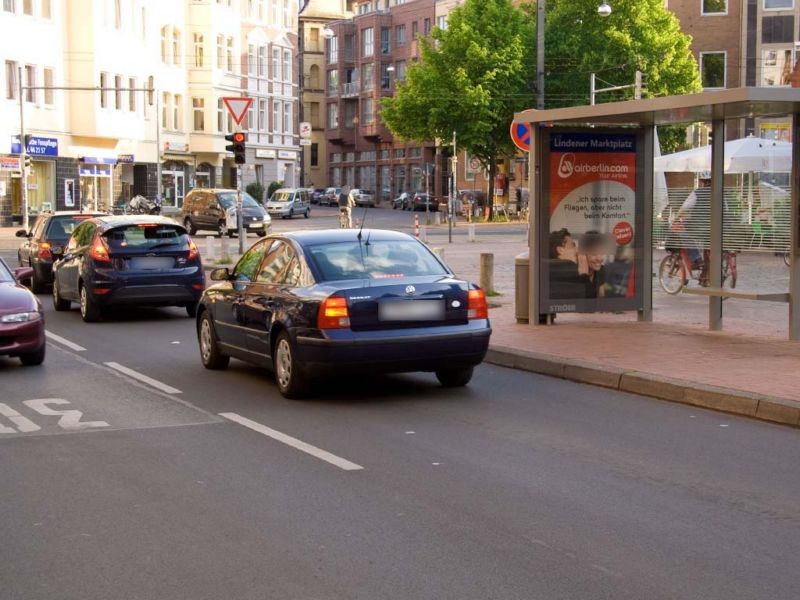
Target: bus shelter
(592, 193)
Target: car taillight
(99, 251)
(193, 252)
(476, 305)
(44, 250)
(333, 313)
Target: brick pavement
(749, 369)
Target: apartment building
(144, 112)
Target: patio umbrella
(745, 155)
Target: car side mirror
(220, 274)
(22, 233)
(23, 273)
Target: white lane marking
(293, 442)
(143, 378)
(64, 342)
(24, 424)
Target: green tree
(638, 35)
(471, 79)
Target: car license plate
(411, 310)
(151, 263)
(254, 224)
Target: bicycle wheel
(670, 274)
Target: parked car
(403, 201)
(44, 243)
(207, 209)
(21, 317)
(423, 201)
(364, 197)
(308, 303)
(315, 195)
(142, 260)
(331, 197)
(286, 203)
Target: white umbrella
(745, 155)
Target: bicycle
(677, 268)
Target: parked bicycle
(677, 269)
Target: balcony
(375, 131)
(341, 135)
(349, 90)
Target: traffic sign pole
(239, 215)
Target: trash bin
(521, 287)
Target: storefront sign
(265, 153)
(99, 160)
(69, 192)
(37, 146)
(127, 159)
(9, 163)
(591, 227)
(287, 154)
(95, 170)
(176, 147)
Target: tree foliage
(471, 79)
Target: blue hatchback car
(144, 260)
(308, 303)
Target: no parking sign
(521, 135)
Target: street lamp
(327, 32)
(603, 10)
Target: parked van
(209, 209)
(288, 202)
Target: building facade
(126, 98)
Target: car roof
(330, 236)
(75, 213)
(212, 190)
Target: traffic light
(28, 163)
(237, 146)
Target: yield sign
(521, 135)
(237, 107)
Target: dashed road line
(293, 442)
(143, 378)
(63, 341)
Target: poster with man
(590, 222)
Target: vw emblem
(410, 290)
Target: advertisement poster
(592, 219)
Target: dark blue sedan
(128, 260)
(314, 302)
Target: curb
(747, 404)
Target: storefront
(173, 183)
(204, 176)
(95, 184)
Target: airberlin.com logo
(567, 165)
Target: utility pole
(22, 153)
(540, 8)
(451, 206)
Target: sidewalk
(750, 369)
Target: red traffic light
(238, 138)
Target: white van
(288, 202)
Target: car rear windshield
(228, 199)
(377, 259)
(147, 237)
(60, 228)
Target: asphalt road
(131, 472)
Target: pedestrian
(346, 204)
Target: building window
(164, 44)
(48, 87)
(776, 67)
(287, 65)
(313, 77)
(314, 112)
(229, 55)
(400, 35)
(414, 30)
(441, 20)
(220, 115)
(177, 113)
(778, 4)
(132, 94)
(386, 44)
(250, 122)
(165, 101)
(426, 26)
(276, 64)
(220, 52)
(103, 90)
(715, 7)
(333, 50)
(400, 70)
(333, 116)
(368, 42)
(367, 111)
(10, 6)
(198, 114)
(251, 59)
(287, 117)
(313, 39)
(11, 80)
(386, 82)
(333, 82)
(712, 69)
(367, 79)
(30, 82)
(143, 31)
(262, 114)
(176, 47)
(262, 61)
(47, 9)
(314, 155)
(198, 50)
(118, 92)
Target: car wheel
(37, 285)
(454, 377)
(221, 229)
(261, 233)
(290, 382)
(89, 310)
(31, 359)
(191, 309)
(307, 213)
(190, 226)
(210, 354)
(59, 303)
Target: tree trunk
(490, 193)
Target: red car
(21, 317)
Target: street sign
(305, 130)
(304, 142)
(521, 135)
(237, 107)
